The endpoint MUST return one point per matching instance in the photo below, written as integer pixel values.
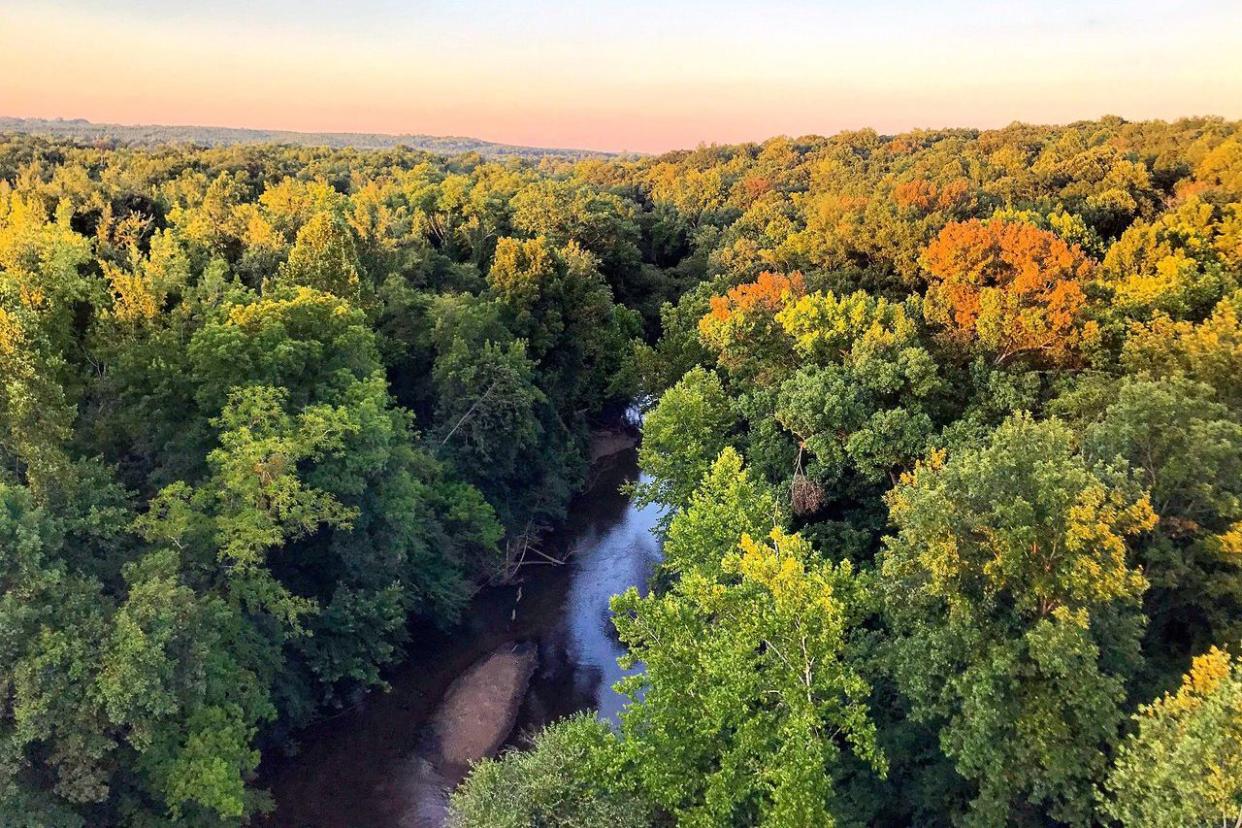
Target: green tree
(324, 258)
(743, 331)
(1209, 352)
(1015, 615)
(41, 282)
(727, 504)
(313, 344)
(748, 702)
(1176, 264)
(567, 779)
(861, 403)
(1183, 765)
(1186, 448)
(682, 436)
(490, 415)
(55, 747)
(560, 304)
(599, 222)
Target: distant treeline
(80, 129)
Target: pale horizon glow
(641, 75)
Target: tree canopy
(946, 427)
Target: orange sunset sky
(642, 76)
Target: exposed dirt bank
(472, 722)
(479, 710)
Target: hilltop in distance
(80, 129)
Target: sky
(640, 75)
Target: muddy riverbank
(525, 654)
(473, 720)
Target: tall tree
(748, 698)
(1015, 615)
(324, 258)
(682, 437)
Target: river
(383, 763)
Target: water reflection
(578, 653)
(605, 566)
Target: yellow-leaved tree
(1184, 764)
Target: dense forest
(947, 425)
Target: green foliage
(1014, 607)
(323, 257)
(728, 504)
(1186, 448)
(1181, 766)
(747, 701)
(565, 780)
(860, 403)
(166, 672)
(875, 338)
(601, 222)
(1179, 264)
(491, 411)
(1209, 352)
(311, 343)
(227, 521)
(682, 436)
(559, 303)
(259, 405)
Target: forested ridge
(82, 130)
(948, 426)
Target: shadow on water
(354, 769)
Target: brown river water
(389, 760)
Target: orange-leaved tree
(741, 328)
(1007, 288)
